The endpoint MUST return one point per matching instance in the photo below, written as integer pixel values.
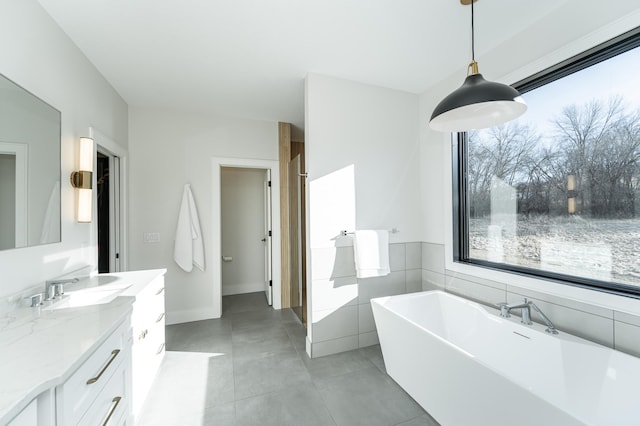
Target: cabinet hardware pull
(160, 317)
(160, 349)
(113, 356)
(160, 291)
(143, 334)
(114, 404)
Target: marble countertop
(40, 348)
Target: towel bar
(344, 233)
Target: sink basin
(106, 279)
(86, 297)
(103, 281)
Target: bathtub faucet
(505, 312)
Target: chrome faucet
(55, 288)
(505, 312)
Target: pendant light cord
(473, 44)
(473, 66)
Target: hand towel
(189, 246)
(51, 225)
(371, 252)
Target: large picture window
(556, 193)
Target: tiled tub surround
(341, 317)
(611, 328)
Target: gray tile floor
(250, 368)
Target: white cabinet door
(148, 321)
(28, 416)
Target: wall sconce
(82, 180)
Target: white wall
(243, 220)
(38, 56)
(571, 29)
(168, 149)
(362, 145)
(373, 131)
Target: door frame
(216, 215)
(118, 202)
(21, 152)
(267, 202)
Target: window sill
(596, 298)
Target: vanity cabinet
(28, 416)
(147, 320)
(98, 392)
(39, 412)
(94, 364)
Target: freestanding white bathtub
(469, 367)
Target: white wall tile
(329, 294)
(569, 303)
(327, 263)
(413, 280)
(432, 280)
(628, 318)
(397, 257)
(413, 253)
(627, 338)
(582, 324)
(366, 322)
(433, 257)
(392, 284)
(368, 339)
(335, 323)
(334, 346)
(474, 279)
(474, 291)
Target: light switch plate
(151, 237)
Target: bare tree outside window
(559, 189)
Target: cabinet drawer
(111, 403)
(147, 314)
(75, 396)
(154, 288)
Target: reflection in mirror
(29, 169)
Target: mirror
(29, 169)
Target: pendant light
(478, 103)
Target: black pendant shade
(477, 104)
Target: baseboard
(242, 288)
(333, 346)
(189, 315)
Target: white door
(268, 278)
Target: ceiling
(249, 58)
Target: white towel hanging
(189, 245)
(371, 253)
